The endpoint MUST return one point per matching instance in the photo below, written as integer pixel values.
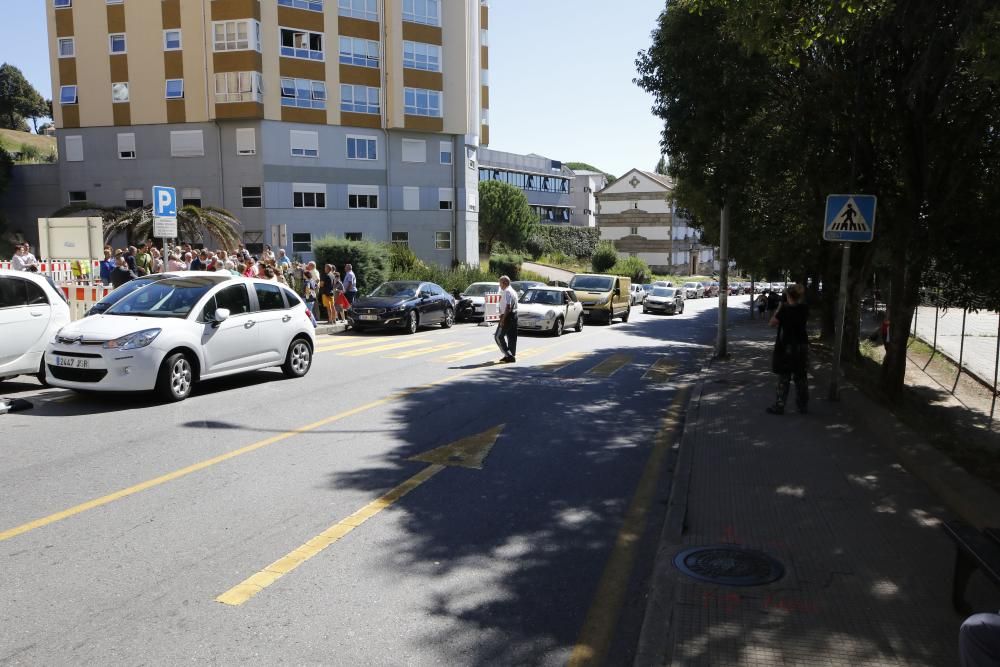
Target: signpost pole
(721, 345)
(838, 342)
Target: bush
(506, 265)
(634, 268)
(579, 242)
(371, 261)
(605, 256)
(401, 258)
(454, 279)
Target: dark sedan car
(403, 304)
(668, 300)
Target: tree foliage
(504, 215)
(18, 99)
(372, 262)
(605, 256)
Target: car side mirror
(221, 315)
(618, 292)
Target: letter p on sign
(164, 201)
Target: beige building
(303, 117)
(637, 213)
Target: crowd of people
(326, 293)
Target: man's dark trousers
(506, 336)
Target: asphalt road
(263, 520)
(978, 349)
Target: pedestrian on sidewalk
(979, 641)
(791, 350)
(506, 333)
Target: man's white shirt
(509, 299)
(17, 263)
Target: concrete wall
(33, 192)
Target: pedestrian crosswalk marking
(470, 353)
(660, 371)
(409, 354)
(610, 366)
(354, 341)
(380, 348)
(562, 362)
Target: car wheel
(412, 322)
(449, 318)
(644, 310)
(579, 323)
(176, 377)
(628, 311)
(43, 376)
(557, 327)
(298, 361)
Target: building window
(116, 43)
(304, 144)
(633, 231)
(242, 35)
(187, 143)
(352, 236)
(119, 92)
(133, 199)
(252, 196)
(171, 40)
(359, 99)
(446, 199)
(115, 2)
(414, 150)
(308, 195)
(362, 148)
(175, 89)
(246, 141)
(359, 9)
(61, 4)
(427, 12)
(67, 95)
(191, 197)
(484, 37)
(422, 102)
(301, 44)
(126, 146)
(357, 51)
(77, 196)
(418, 55)
(442, 240)
(411, 198)
(238, 87)
(302, 242)
(401, 238)
(362, 196)
(446, 155)
(67, 47)
(303, 93)
(74, 148)
(309, 5)
(484, 77)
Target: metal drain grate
(729, 565)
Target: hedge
(454, 279)
(371, 261)
(579, 242)
(633, 267)
(604, 257)
(506, 265)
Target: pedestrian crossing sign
(849, 218)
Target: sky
(560, 76)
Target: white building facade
(586, 185)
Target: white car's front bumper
(94, 368)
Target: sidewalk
(867, 576)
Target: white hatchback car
(694, 290)
(551, 309)
(178, 331)
(32, 309)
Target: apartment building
(306, 118)
(584, 190)
(545, 182)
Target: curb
(328, 329)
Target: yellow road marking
(563, 361)
(430, 350)
(177, 474)
(346, 343)
(468, 453)
(533, 352)
(610, 366)
(660, 371)
(470, 353)
(598, 628)
(381, 348)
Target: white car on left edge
(32, 309)
(178, 331)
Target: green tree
(504, 215)
(18, 98)
(583, 166)
(661, 166)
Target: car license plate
(586, 312)
(367, 317)
(70, 362)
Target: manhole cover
(729, 566)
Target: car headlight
(133, 341)
(55, 338)
(601, 301)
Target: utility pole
(721, 345)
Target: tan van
(603, 297)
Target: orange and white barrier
(58, 271)
(491, 307)
(82, 297)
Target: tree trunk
(902, 303)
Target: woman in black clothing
(791, 350)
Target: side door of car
(21, 325)
(234, 342)
(574, 310)
(271, 317)
(428, 305)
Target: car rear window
(293, 298)
(269, 297)
(13, 292)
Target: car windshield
(592, 283)
(480, 289)
(396, 290)
(692, 285)
(56, 289)
(663, 291)
(174, 297)
(123, 291)
(547, 297)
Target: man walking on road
(506, 333)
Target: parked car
(638, 294)
(471, 303)
(521, 285)
(551, 309)
(136, 283)
(179, 331)
(32, 309)
(693, 290)
(668, 300)
(403, 304)
(603, 296)
(711, 288)
(661, 283)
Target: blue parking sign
(164, 202)
(849, 218)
